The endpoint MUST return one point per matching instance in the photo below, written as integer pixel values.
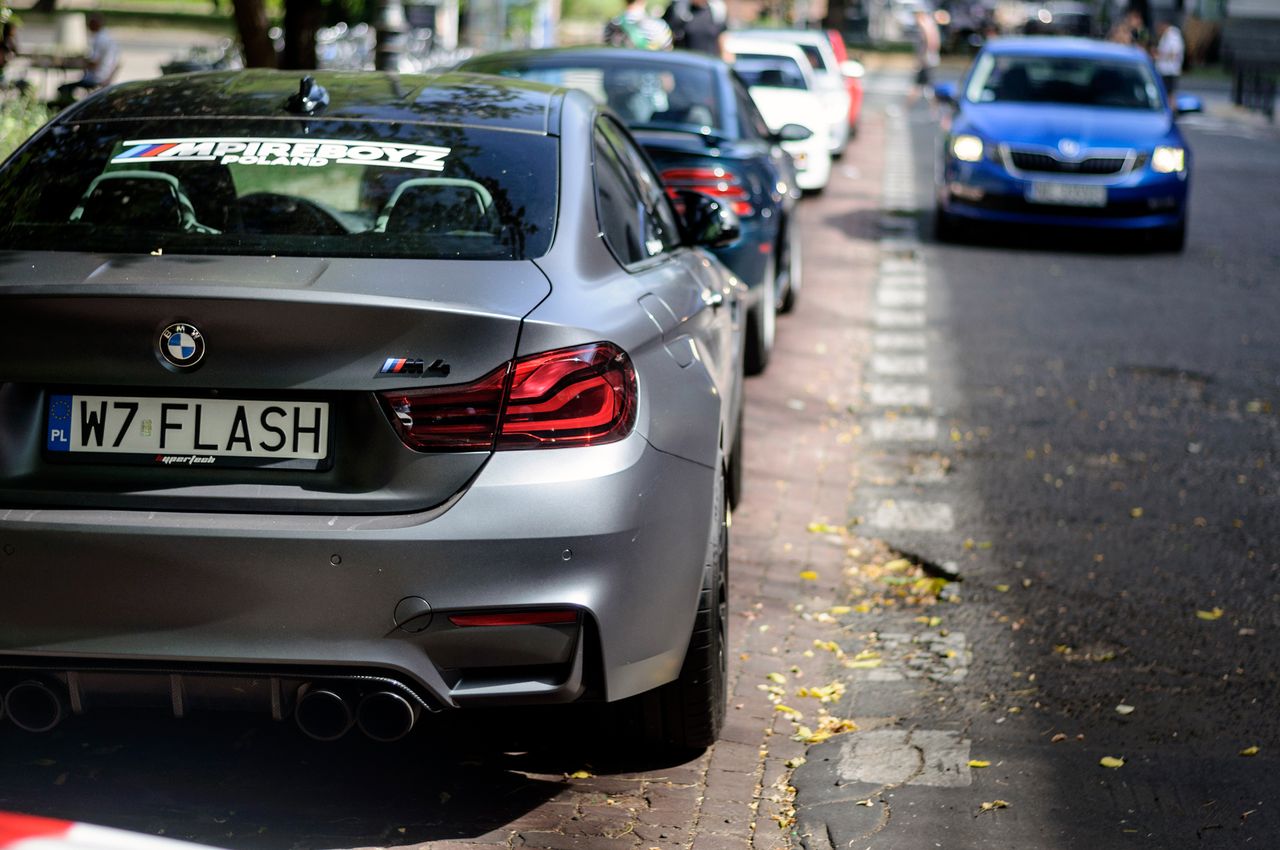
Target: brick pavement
(800, 445)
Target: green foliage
(19, 118)
(592, 10)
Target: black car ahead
(698, 124)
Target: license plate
(187, 431)
(1068, 194)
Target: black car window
(751, 123)
(660, 221)
(655, 94)
(271, 187)
(778, 72)
(619, 205)
(1078, 81)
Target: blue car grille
(1113, 163)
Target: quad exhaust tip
(34, 706)
(386, 716)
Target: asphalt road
(1106, 452)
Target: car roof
(1063, 46)
(554, 56)
(818, 37)
(752, 44)
(450, 98)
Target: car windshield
(288, 188)
(777, 72)
(1063, 80)
(645, 96)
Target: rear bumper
(615, 533)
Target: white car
(827, 73)
(782, 84)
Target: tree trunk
(45, 7)
(834, 19)
(301, 20)
(251, 23)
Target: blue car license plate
(1067, 194)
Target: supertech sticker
(305, 153)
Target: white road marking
(899, 364)
(904, 429)
(897, 514)
(898, 395)
(899, 341)
(934, 758)
(900, 297)
(885, 318)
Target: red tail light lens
(569, 397)
(720, 183)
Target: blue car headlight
(967, 148)
(1168, 160)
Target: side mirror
(792, 133)
(945, 92)
(705, 221)
(852, 68)
(1185, 104)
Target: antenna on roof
(311, 97)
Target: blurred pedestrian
(1131, 29)
(1170, 50)
(100, 64)
(928, 55)
(695, 26)
(635, 27)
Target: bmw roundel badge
(181, 345)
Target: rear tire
(689, 713)
(761, 325)
(795, 271)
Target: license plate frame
(1089, 195)
(199, 432)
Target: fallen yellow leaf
(1111, 761)
(809, 575)
(777, 677)
(580, 774)
(993, 805)
(866, 803)
(823, 528)
(1210, 615)
(1136, 513)
(979, 763)
(837, 610)
(1249, 751)
(1002, 588)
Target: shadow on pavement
(241, 782)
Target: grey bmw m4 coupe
(358, 398)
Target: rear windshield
(288, 188)
(778, 72)
(1077, 81)
(645, 96)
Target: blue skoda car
(1064, 132)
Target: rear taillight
(718, 182)
(581, 396)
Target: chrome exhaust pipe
(34, 706)
(322, 714)
(386, 716)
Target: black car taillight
(717, 181)
(578, 396)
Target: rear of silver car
(344, 489)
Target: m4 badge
(404, 366)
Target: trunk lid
(290, 333)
